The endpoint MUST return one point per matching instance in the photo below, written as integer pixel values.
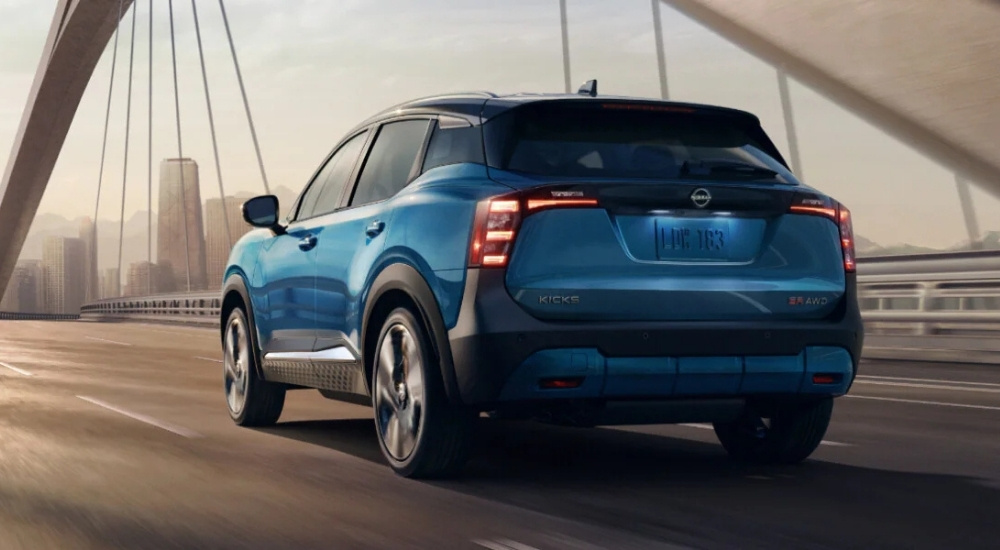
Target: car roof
(482, 106)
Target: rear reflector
(824, 378)
(560, 383)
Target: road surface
(116, 436)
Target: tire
(795, 431)
(251, 401)
(420, 432)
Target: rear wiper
(695, 167)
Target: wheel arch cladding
(234, 294)
(398, 285)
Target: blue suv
(573, 259)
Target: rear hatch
(627, 213)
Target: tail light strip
(835, 212)
(497, 222)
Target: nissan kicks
(574, 259)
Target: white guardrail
(941, 307)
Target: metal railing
(16, 316)
(201, 308)
(927, 294)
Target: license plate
(678, 239)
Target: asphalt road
(116, 436)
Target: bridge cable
(661, 58)
(211, 124)
(149, 160)
(128, 124)
(180, 148)
(104, 145)
(564, 26)
(243, 91)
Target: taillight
(496, 227)
(815, 205)
(497, 222)
(846, 237)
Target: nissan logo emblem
(701, 197)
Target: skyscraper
(111, 283)
(145, 279)
(23, 289)
(180, 208)
(63, 261)
(217, 247)
(91, 283)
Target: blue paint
(773, 374)
(652, 376)
(562, 363)
(611, 265)
(708, 375)
(827, 360)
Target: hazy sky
(314, 68)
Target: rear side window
(454, 141)
(391, 161)
(630, 140)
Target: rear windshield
(630, 140)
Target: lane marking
(141, 418)
(108, 341)
(208, 359)
(928, 386)
(503, 544)
(921, 402)
(931, 380)
(710, 427)
(22, 372)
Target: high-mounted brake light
(837, 213)
(497, 222)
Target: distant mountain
(865, 247)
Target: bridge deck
(116, 435)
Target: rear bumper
(500, 353)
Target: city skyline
(69, 273)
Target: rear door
(354, 235)
(692, 216)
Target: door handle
(307, 242)
(375, 228)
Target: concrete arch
(78, 36)
(925, 71)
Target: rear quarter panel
(431, 231)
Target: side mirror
(262, 212)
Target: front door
(288, 265)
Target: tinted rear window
(626, 140)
